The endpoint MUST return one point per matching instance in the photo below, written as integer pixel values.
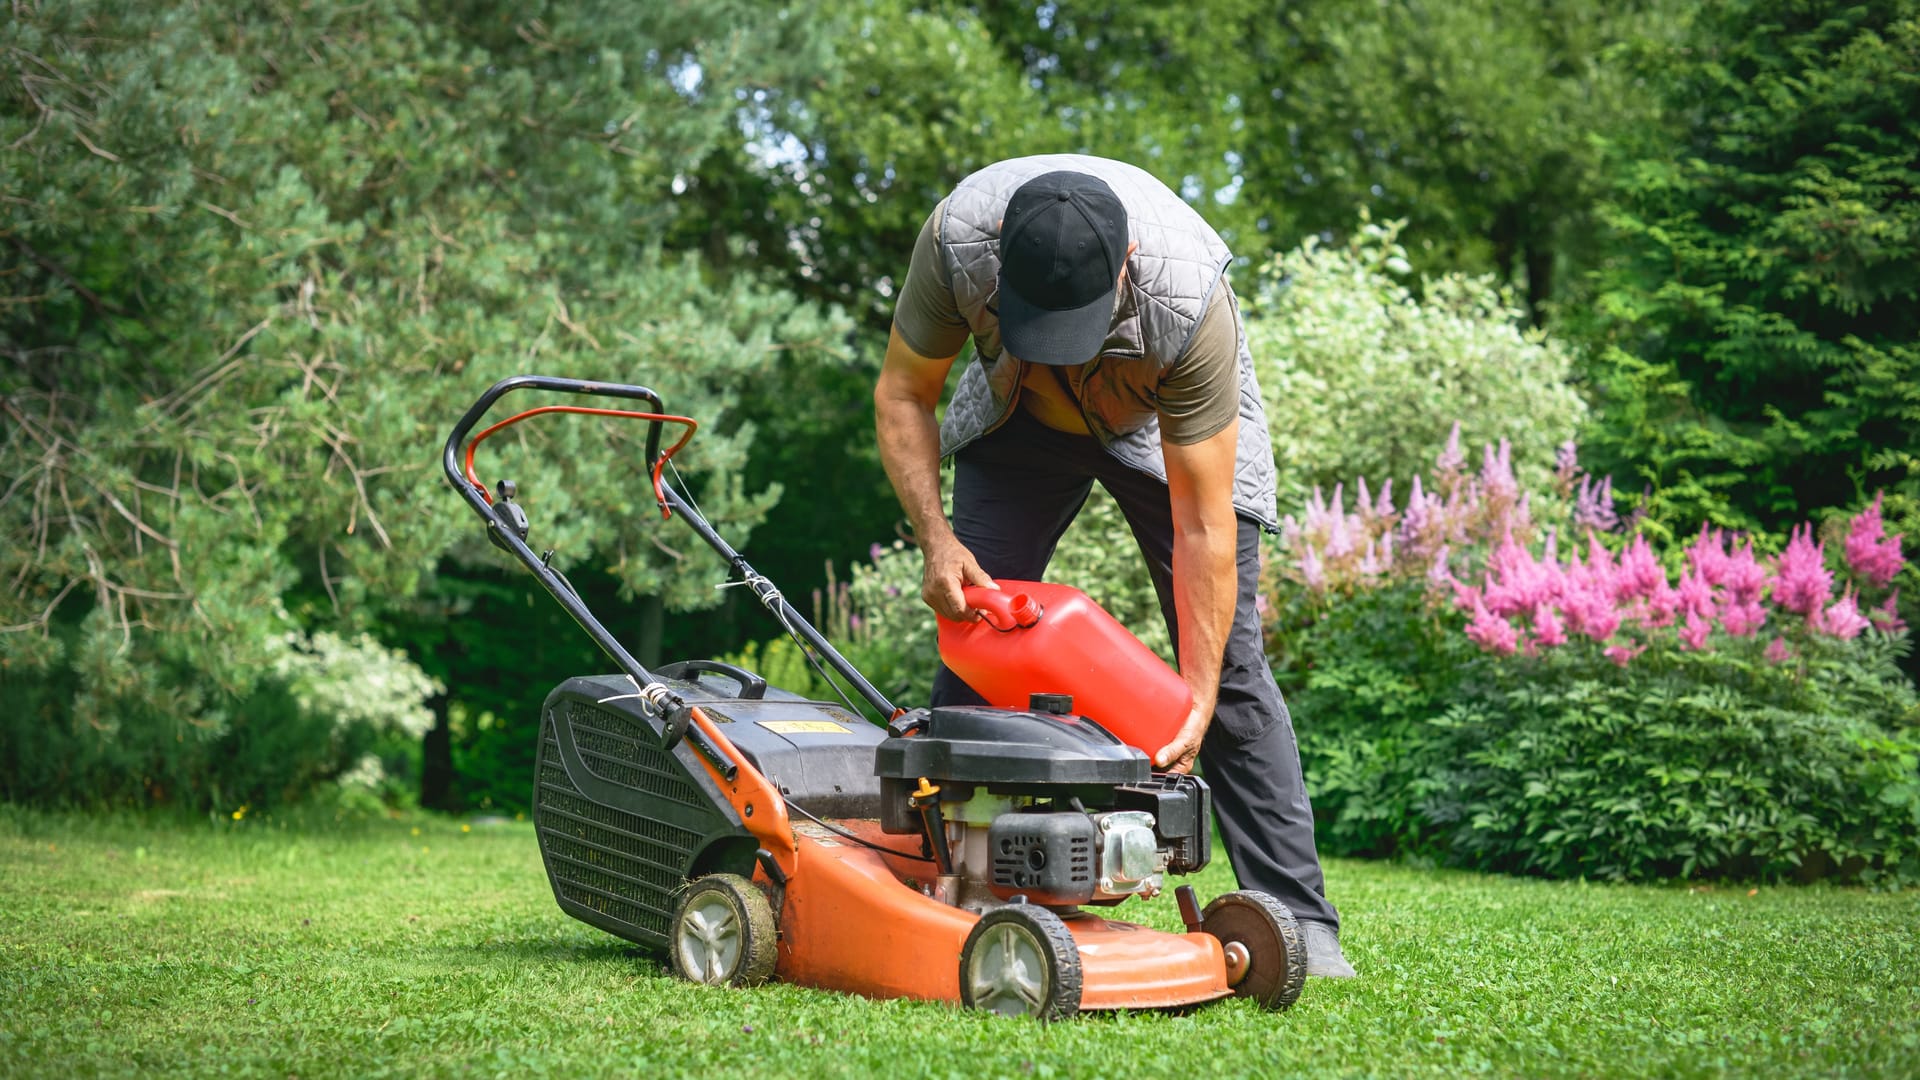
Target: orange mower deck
(850, 920)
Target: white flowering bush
(1362, 377)
(356, 683)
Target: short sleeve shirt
(1197, 397)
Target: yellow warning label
(805, 727)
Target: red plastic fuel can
(1037, 638)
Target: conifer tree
(1763, 299)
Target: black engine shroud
(1049, 755)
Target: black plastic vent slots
(622, 822)
(618, 749)
(1047, 856)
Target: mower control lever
(908, 723)
(678, 719)
(507, 514)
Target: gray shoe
(1324, 958)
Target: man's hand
(950, 566)
(1177, 756)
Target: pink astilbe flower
(1694, 634)
(1745, 579)
(1588, 604)
(1371, 565)
(1491, 632)
(1744, 583)
(1742, 620)
(1777, 651)
(1641, 580)
(1640, 572)
(1454, 515)
(1383, 506)
(1496, 475)
(1622, 654)
(1316, 511)
(1593, 506)
(1600, 565)
(1886, 618)
(1340, 538)
(1801, 580)
(1507, 588)
(1566, 466)
(1586, 594)
(1696, 594)
(1547, 630)
(1843, 620)
(1708, 556)
(1312, 572)
(1416, 522)
(1870, 552)
(1290, 535)
(1439, 574)
(1451, 460)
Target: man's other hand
(950, 567)
(1177, 756)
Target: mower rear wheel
(1266, 954)
(1020, 960)
(723, 932)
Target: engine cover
(1048, 857)
(1011, 748)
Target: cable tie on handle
(658, 695)
(765, 591)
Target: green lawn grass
(420, 948)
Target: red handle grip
(1003, 610)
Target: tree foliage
(1471, 120)
(256, 288)
(1763, 297)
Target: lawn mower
(962, 854)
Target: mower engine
(1039, 806)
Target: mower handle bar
(547, 382)
(562, 592)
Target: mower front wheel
(1266, 956)
(1020, 960)
(723, 932)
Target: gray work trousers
(1015, 491)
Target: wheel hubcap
(1237, 962)
(1009, 972)
(710, 940)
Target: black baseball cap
(1063, 241)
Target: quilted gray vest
(1171, 275)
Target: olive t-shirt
(1198, 396)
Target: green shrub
(1688, 764)
(1589, 719)
(326, 707)
(1363, 378)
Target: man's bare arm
(903, 402)
(1205, 576)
